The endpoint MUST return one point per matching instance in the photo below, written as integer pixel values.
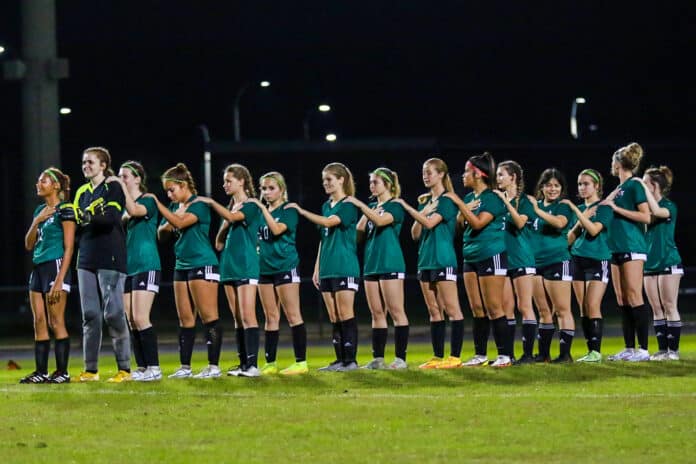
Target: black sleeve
(112, 209)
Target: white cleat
(659, 356)
(181, 373)
(502, 361)
(208, 372)
(622, 355)
(477, 361)
(672, 356)
(136, 374)
(639, 355)
(251, 371)
(151, 374)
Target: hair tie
(592, 173)
(52, 175)
(131, 168)
(470, 165)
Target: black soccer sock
(510, 340)
(673, 335)
(586, 331)
(628, 326)
(481, 329)
(350, 340)
(138, 349)
(457, 338)
(337, 340)
(546, 332)
(251, 345)
(641, 315)
(660, 326)
(529, 329)
(62, 353)
(41, 349)
(270, 345)
(187, 336)
(299, 342)
(401, 341)
(596, 331)
(213, 339)
(241, 347)
(379, 342)
(437, 338)
(565, 341)
(500, 331)
(148, 340)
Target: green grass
(572, 413)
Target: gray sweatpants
(101, 293)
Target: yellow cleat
(297, 368)
(451, 362)
(88, 377)
(120, 377)
(432, 363)
(270, 369)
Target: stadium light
(330, 137)
(573, 116)
(65, 110)
(2, 49)
(265, 84)
(322, 108)
(237, 99)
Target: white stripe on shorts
(352, 284)
(450, 274)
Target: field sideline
(642, 412)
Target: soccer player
(554, 266)
(629, 251)
(237, 240)
(143, 269)
(196, 273)
(336, 269)
(384, 268)
(51, 238)
(591, 254)
(521, 265)
(663, 268)
(482, 215)
(101, 264)
(433, 229)
(279, 282)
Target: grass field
(545, 413)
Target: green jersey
(626, 236)
(383, 253)
(278, 253)
(49, 240)
(478, 245)
(662, 250)
(141, 240)
(436, 245)
(338, 251)
(587, 246)
(550, 244)
(192, 248)
(517, 241)
(240, 258)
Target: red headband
(470, 165)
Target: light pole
(207, 160)
(323, 108)
(237, 100)
(574, 118)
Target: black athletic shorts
(587, 269)
(281, 278)
(209, 273)
(387, 276)
(557, 271)
(438, 275)
(495, 265)
(147, 281)
(44, 274)
(337, 284)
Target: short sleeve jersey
(662, 249)
(517, 241)
(436, 245)
(240, 257)
(595, 247)
(550, 244)
(49, 240)
(192, 248)
(338, 256)
(383, 253)
(141, 239)
(478, 245)
(278, 253)
(625, 235)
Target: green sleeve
(447, 209)
(638, 192)
(494, 205)
(251, 212)
(348, 214)
(198, 209)
(604, 215)
(396, 210)
(290, 218)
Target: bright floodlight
(580, 100)
(324, 108)
(265, 84)
(65, 110)
(330, 137)
(2, 49)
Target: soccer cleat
(502, 361)
(562, 359)
(450, 362)
(35, 377)
(622, 355)
(208, 372)
(539, 358)
(397, 364)
(432, 363)
(236, 370)
(59, 377)
(479, 360)
(88, 377)
(120, 377)
(135, 375)
(269, 369)
(151, 374)
(525, 359)
(639, 355)
(251, 371)
(333, 367)
(347, 367)
(659, 356)
(591, 357)
(376, 364)
(672, 355)
(181, 373)
(297, 368)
